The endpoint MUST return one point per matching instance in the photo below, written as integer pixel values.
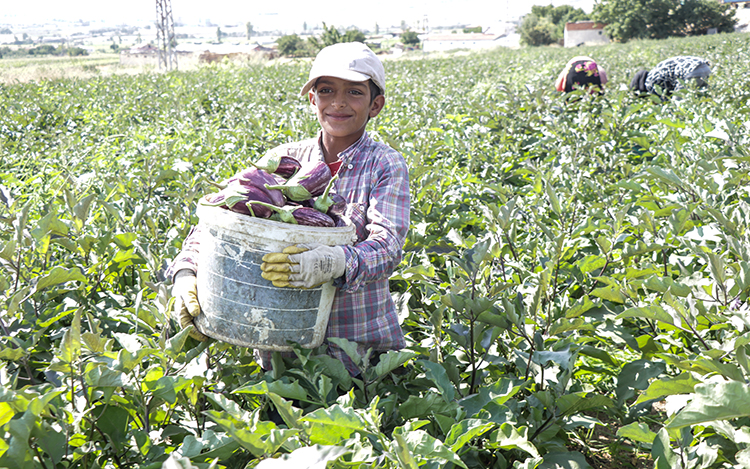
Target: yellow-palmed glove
(304, 265)
(186, 306)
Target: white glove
(304, 265)
(186, 306)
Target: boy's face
(343, 107)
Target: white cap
(351, 61)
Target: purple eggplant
(338, 221)
(299, 215)
(339, 205)
(260, 179)
(241, 199)
(284, 166)
(307, 183)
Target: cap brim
(348, 75)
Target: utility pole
(165, 39)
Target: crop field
(574, 288)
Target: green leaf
(436, 373)
(261, 439)
(104, 377)
(610, 293)
(114, 422)
(229, 406)
(59, 275)
(163, 388)
(464, 431)
(6, 413)
(591, 263)
(665, 175)
(637, 431)
(509, 437)
(598, 354)
(564, 460)
(637, 375)
(662, 452)
(19, 451)
(497, 393)
(337, 416)
(292, 390)
(349, 347)
(714, 401)
(420, 407)
(392, 360)
(640, 248)
(580, 307)
(70, 345)
(574, 403)
(11, 354)
(315, 456)
(288, 413)
(334, 424)
(562, 326)
(553, 200)
(652, 312)
(681, 384)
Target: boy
(346, 87)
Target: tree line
(626, 20)
(294, 46)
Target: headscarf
(581, 72)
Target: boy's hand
(185, 291)
(304, 265)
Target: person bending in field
(581, 73)
(671, 75)
(346, 87)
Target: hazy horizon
(278, 15)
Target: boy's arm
(387, 223)
(188, 256)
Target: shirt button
(349, 166)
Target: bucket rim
(207, 214)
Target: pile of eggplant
(281, 190)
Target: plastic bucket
(240, 307)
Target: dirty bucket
(240, 307)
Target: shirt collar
(347, 154)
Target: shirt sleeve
(387, 222)
(188, 256)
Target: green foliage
(659, 19)
(290, 45)
(537, 31)
(410, 38)
(332, 35)
(546, 24)
(568, 265)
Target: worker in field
(346, 88)
(671, 75)
(581, 73)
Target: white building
(584, 33)
(446, 42)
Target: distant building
(584, 33)
(474, 41)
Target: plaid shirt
(374, 179)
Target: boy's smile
(343, 108)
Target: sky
(279, 14)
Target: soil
(605, 450)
